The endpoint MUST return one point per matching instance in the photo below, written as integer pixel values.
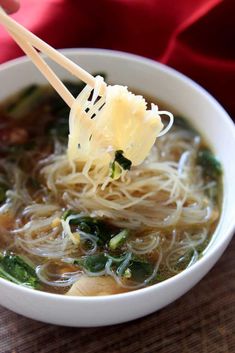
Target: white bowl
(206, 115)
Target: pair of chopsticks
(30, 42)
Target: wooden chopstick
(24, 38)
(53, 79)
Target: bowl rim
(213, 248)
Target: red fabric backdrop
(197, 37)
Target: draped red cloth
(197, 37)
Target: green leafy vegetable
(96, 227)
(118, 240)
(211, 166)
(93, 263)
(140, 270)
(17, 270)
(122, 161)
(28, 99)
(96, 263)
(136, 270)
(99, 228)
(184, 124)
(115, 170)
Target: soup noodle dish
(112, 196)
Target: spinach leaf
(140, 270)
(211, 166)
(93, 263)
(122, 161)
(17, 270)
(96, 263)
(97, 227)
(136, 270)
(115, 170)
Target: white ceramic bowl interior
(207, 116)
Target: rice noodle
(151, 195)
(66, 279)
(144, 245)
